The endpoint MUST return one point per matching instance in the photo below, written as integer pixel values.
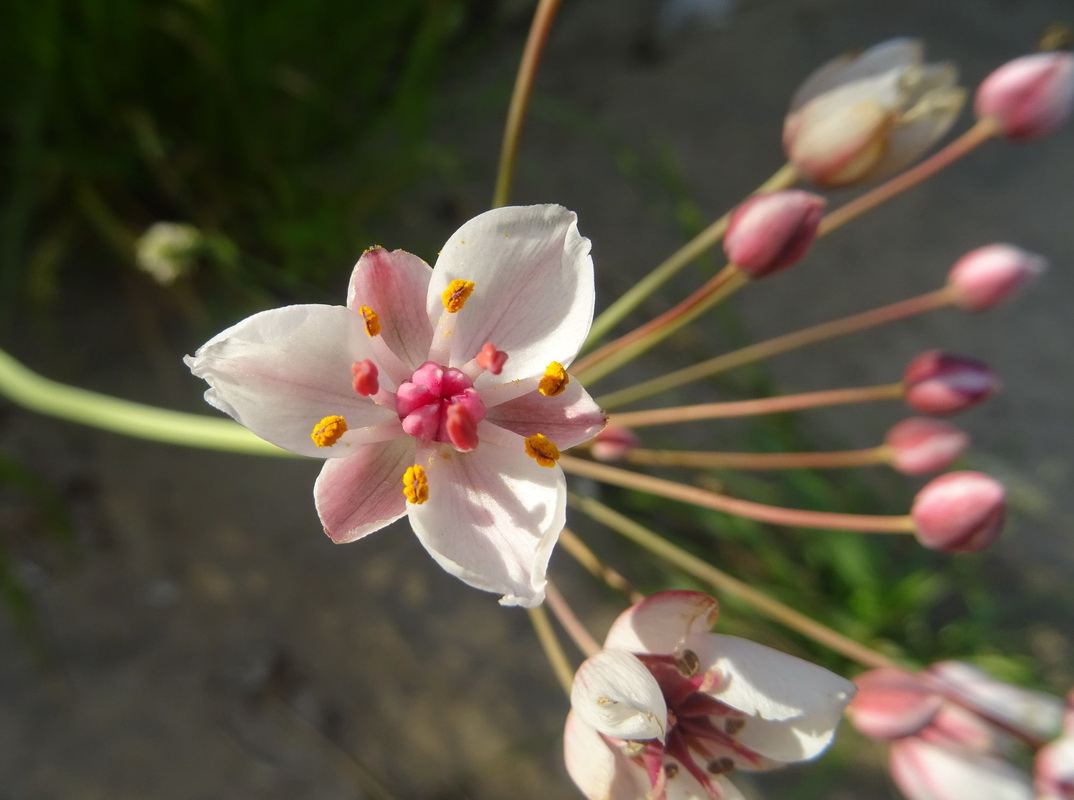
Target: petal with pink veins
(568, 418)
(925, 771)
(617, 695)
(661, 622)
(280, 372)
(598, 769)
(492, 519)
(394, 284)
(533, 295)
(361, 494)
(796, 706)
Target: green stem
(123, 416)
(516, 113)
(692, 250)
(760, 461)
(553, 651)
(723, 582)
(781, 344)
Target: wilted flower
(667, 709)
(166, 251)
(441, 394)
(865, 116)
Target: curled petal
(569, 418)
(533, 295)
(887, 58)
(925, 771)
(661, 622)
(281, 371)
(615, 694)
(492, 519)
(363, 493)
(394, 284)
(796, 705)
(597, 768)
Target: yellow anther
(371, 320)
(540, 448)
(415, 485)
(555, 380)
(456, 294)
(327, 432)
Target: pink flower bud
(1053, 770)
(1029, 97)
(919, 445)
(960, 512)
(771, 232)
(612, 443)
(989, 275)
(891, 703)
(865, 116)
(943, 383)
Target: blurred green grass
(281, 129)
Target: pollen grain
(327, 432)
(371, 320)
(415, 485)
(542, 449)
(554, 380)
(456, 295)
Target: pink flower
(668, 709)
(865, 116)
(437, 393)
(925, 770)
(1029, 97)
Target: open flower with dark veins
(667, 710)
(437, 393)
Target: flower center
(440, 404)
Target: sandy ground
(203, 639)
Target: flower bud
(862, 117)
(1029, 97)
(891, 704)
(919, 445)
(943, 383)
(167, 251)
(987, 276)
(771, 232)
(960, 512)
(612, 443)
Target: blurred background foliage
(259, 123)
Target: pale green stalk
(54, 399)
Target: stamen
(734, 725)
(555, 380)
(366, 382)
(372, 321)
(721, 766)
(327, 432)
(415, 485)
(491, 359)
(456, 295)
(687, 663)
(540, 448)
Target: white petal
(492, 518)
(925, 771)
(282, 371)
(796, 705)
(1037, 713)
(568, 418)
(659, 623)
(617, 695)
(533, 293)
(395, 284)
(684, 787)
(892, 56)
(599, 770)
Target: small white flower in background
(668, 709)
(440, 393)
(863, 117)
(167, 251)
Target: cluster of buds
(955, 731)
